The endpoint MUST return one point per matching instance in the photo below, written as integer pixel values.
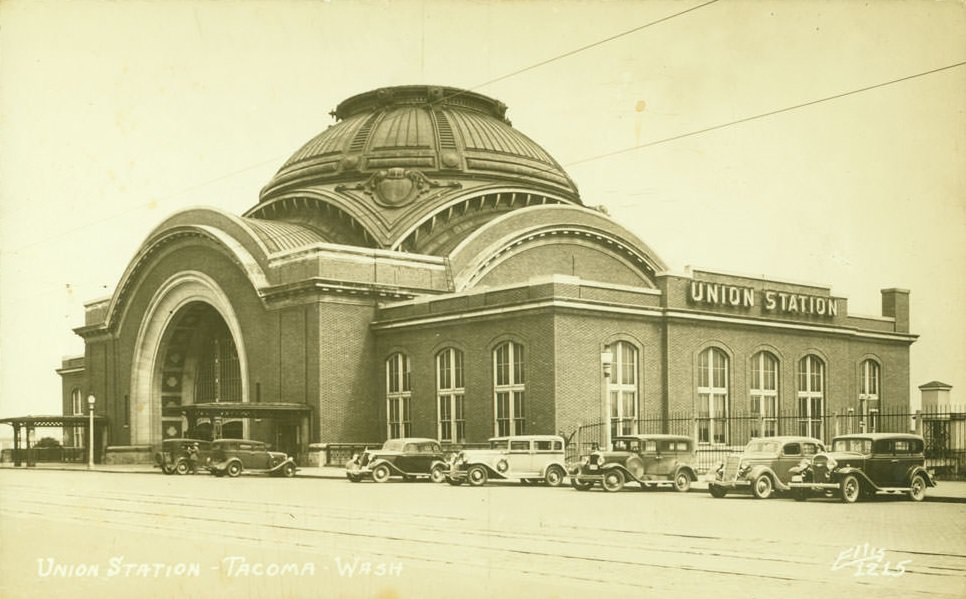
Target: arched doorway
(189, 350)
(198, 363)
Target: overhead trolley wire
(763, 115)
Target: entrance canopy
(226, 409)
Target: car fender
(281, 464)
(684, 468)
(490, 470)
(380, 461)
(758, 470)
(613, 466)
(543, 471)
(223, 466)
(443, 463)
(858, 472)
(925, 474)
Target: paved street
(86, 534)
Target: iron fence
(718, 435)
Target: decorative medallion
(171, 431)
(396, 187)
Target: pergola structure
(29, 423)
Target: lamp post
(90, 432)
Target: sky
(115, 115)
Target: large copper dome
(440, 131)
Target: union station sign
(717, 294)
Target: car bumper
(731, 485)
(356, 471)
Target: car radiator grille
(364, 459)
(731, 467)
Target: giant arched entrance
(198, 363)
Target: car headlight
(585, 461)
(743, 468)
(832, 464)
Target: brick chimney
(895, 303)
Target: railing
(717, 436)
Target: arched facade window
(764, 394)
(713, 388)
(509, 389)
(622, 388)
(869, 394)
(811, 396)
(398, 396)
(450, 424)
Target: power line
(764, 115)
(588, 46)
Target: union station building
(422, 268)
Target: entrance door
(287, 438)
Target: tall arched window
(712, 396)
(622, 390)
(811, 396)
(398, 396)
(449, 396)
(869, 395)
(509, 389)
(764, 394)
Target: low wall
(129, 454)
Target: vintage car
(409, 458)
(234, 456)
(764, 467)
(527, 458)
(863, 465)
(651, 460)
(181, 456)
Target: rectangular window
(712, 394)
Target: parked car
(409, 458)
(863, 465)
(234, 456)
(651, 460)
(764, 467)
(182, 456)
(527, 458)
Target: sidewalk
(945, 491)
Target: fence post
(918, 424)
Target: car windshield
(863, 446)
(762, 447)
(393, 445)
(627, 445)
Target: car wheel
(380, 473)
(437, 474)
(580, 485)
(682, 482)
(167, 469)
(799, 494)
(288, 470)
(762, 487)
(234, 469)
(476, 476)
(917, 490)
(716, 491)
(613, 480)
(454, 481)
(850, 489)
(182, 467)
(353, 478)
(555, 476)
